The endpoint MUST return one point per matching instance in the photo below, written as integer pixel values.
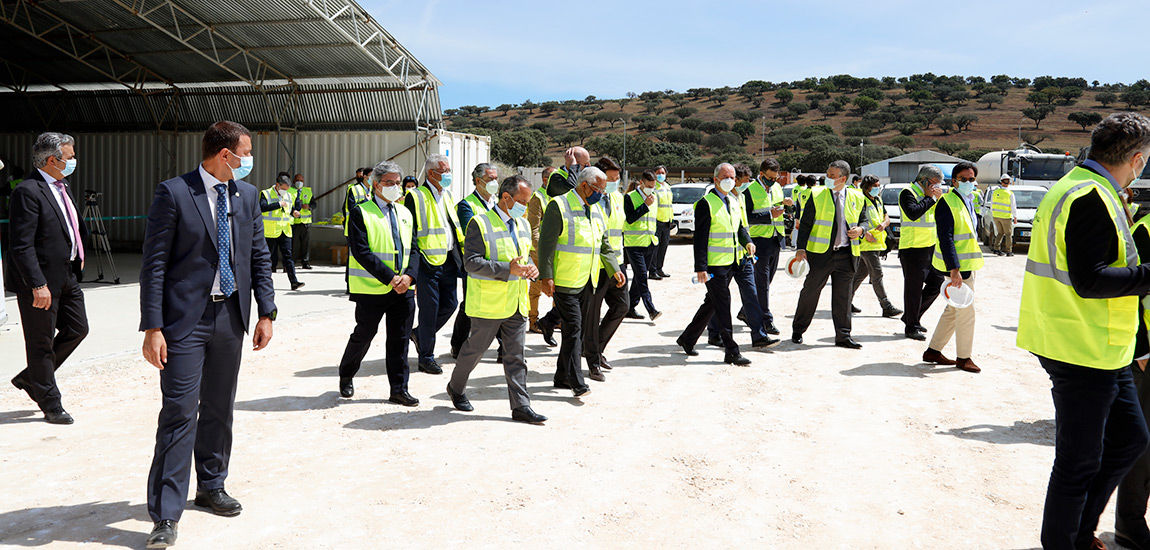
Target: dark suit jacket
(39, 238)
(180, 255)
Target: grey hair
(590, 174)
(843, 167)
(510, 185)
(48, 145)
(720, 167)
(481, 170)
(433, 161)
(928, 172)
(1118, 137)
(384, 168)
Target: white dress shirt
(443, 216)
(841, 239)
(210, 183)
(61, 197)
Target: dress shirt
(211, 195)
(443, 215)
(62, 196)
(841, 238)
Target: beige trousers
(958, 323)
(1003, 235)
(533, 293)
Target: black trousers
(640, 258)
(199, 387)
(716, 304)
(597, 332)
(1099, 433)
(50, 336)
(437, 302)
(744, 276)
(921, 283)
(573, 308)
(369, 311)
(768, 249)
(663, 233)
(281, 246)
(838, 266)
(301, 241)
(1134, 490)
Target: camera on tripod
(91, 195)
(99, 235)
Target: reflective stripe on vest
(304, 194)
(642, 232)
(824, 203)
(1054, 321)
(276, 222)
(664, 199)
(356, 194)
(612, 206)
(965, 243)
(764, 200)
(918, 233)
(1000, 203)
(382, 245)
(431, 232)
(721, 243)
(490, 298)
(577, 250)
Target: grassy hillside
(963, 116)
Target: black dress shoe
(459, 400)
(346, 389)
(663, 274)
(414, 341)
(916, 335)
(454, 352)
(848, 343)
(797, 338)
(764, 342)
(306, 266)
(431, 366)
(297, 286)
(688, 349)
(656, 315)
(597, 375)
(771, 328)
(525, 414)
(20, 385)
(404, 399)
(603, 364)
(632, 314)
(736, 359)
(219, 501)
(891, 312)
(1134, 543)
(742, 316)
(920, 328)
(581, 392)
(163, 534)
(561, 385)
(58, 416)
(855, 309)
(715, 341)
(548, 331)
(654, 277)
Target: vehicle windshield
(1046, 169)
(686, 195)
(890, 195)
(1028, 198)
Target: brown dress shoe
(1097, 544)
(933, 356)
(969, 366)
(532, 328)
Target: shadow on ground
(1038, 432)
(80, 523)
(920, 370)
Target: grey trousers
(513, 330)
(870, 264)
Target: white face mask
(391, 193)
(492, 187)
(727, 184)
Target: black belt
(219, 297)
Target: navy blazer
(40, 247)
(180, 256)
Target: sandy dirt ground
(811, 446)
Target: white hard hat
(961, 297)
(1005, 177)
(797, 268)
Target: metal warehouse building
(904, 168)
(322, 85)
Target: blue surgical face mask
(594, 197)
(612, 186)
(69, 167)
(245, 168)
(745, 185)
(875, 191)
(445, 180)
(966, 187)
(518, 210)
(660, 178)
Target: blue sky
(493, 52)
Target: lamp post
(861, 161)
(763, 146)
(625, 180)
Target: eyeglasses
(389, 182)
(966, 180)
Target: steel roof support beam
(174, 21)
(79, 45)
(356, 25)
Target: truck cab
(1028, 165)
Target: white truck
(1028, 165)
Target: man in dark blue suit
(204, 257)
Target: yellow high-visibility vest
(490, 298)
(382, 245)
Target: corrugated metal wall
(127, 167)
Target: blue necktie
(224, 241)
(395, 237)
(515, 239)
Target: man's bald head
(582, 157)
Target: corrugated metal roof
(116, 65)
